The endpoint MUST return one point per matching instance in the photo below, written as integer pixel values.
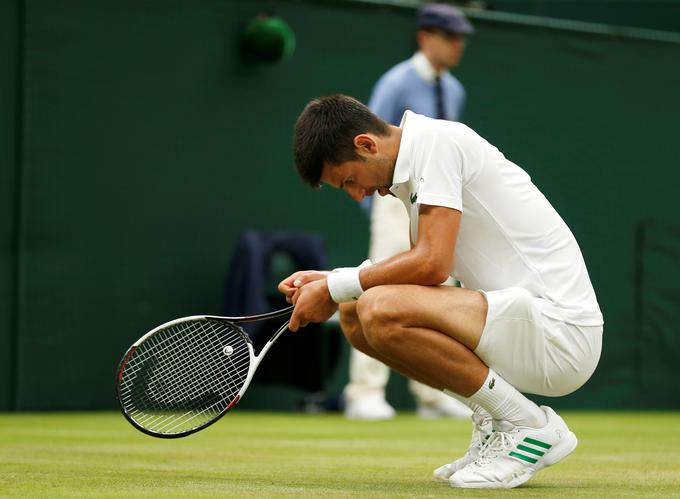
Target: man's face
(444, 50)
(360, 178)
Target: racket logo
(228, 350)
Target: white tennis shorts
(533, 352)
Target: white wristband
(344, 284)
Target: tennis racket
(186, 374)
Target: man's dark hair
(325, 131)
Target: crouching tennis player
(526, 320)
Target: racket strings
(157, 347)
(191, 374)
(210, 410)
(185, 375)
(176, 394)
(170, 360)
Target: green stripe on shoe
(537, 443)
(523, 457)
(530, 450)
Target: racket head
(184, 375)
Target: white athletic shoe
(513, 454)
(444, 407)
(369, 408)
(481, 431)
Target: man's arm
(430, 260)
(428, 263)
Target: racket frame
(252, 367)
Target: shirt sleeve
(439, 159)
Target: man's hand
(289, 286)
(313, 303)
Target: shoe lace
(498, 443)
(479, 437)
(482, 431)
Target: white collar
(424, 68)
(402, 167)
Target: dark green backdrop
(645, 14)
(135, 145)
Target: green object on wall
(268, 39)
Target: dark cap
(444, 17)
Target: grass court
(253, 454)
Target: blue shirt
(410, 85)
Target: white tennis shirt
(510, 235)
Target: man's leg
(433, 332)
(429, 331)
(369, 380)
(351, 327)
(481, 420)
(429, 334)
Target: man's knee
(378, 316)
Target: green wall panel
(655, 14)
(150, 144)
(9, 137)
(658, 294)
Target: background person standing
(423, 85)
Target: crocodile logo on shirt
(414, 196)
(492, 383)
